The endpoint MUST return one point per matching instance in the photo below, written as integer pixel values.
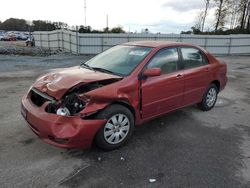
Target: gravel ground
(186, 148)
(19, 48)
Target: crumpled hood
(57, 83)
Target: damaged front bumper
(61, 131)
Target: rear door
(196, 74)
(161, 94)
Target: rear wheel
(209, 99)
(117, 130)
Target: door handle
(206, 69)
(179, 76)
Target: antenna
(85, 14)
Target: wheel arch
(127, 105)
(216, 83)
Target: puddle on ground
(222, 102)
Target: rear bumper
(61, 131)
(223, 83)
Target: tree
(14, 24)
(244, 9)
(205, 15)
(117, 30)
(146, 30)
(106, 30)
(85, 29)
(196, 29)
(39, 25)
(60, 25)
(221, 13)
(234, 11)
(186, 32)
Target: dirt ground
(186, 148)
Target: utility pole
(107, 21)
(85, 14)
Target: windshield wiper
(87, 66)
(103, 70)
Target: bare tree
(221, 12)
(198, 21)
(205, 14)
(248, 16)
(248, 19)
(244, 9)
(234, 11)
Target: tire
(209, 98)
(118, 129)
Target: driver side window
(166, 60)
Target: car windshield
(120, 60)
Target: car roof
(155, 44)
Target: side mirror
(152, 72)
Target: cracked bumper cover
(61, 131)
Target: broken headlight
(70, 105)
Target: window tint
(193, 57)
(166, 60)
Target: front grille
(38, 98)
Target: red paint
(157, 100)
(79, 132)
(56, 84)
(149, 97)
(152, 72)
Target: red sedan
(103, 99)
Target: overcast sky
(165, 16)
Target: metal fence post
(205, 45)
(62, 39)
(230, 44)
(70, 43)
(48, 40)
(58, 40)
(40, 35)
(77, 41)
(102, 42)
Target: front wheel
(118, 128)
(209, 99)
